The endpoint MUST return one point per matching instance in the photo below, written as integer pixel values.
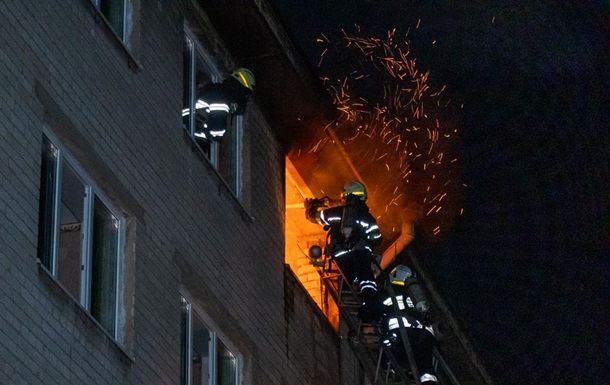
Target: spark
(392, 123)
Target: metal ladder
(363, 337)
(365, 340)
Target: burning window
(300, 236)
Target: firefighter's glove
(307, 204)
(316, 202)
(310, 209)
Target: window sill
(55, 285)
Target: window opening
(226, 366)
(104, 269)
(48, 202)
(206, 359)
(229, 155)
(118, 14)
(300, 236)
(224, 155)
(71, 247)
(80, 236)
(198, 72)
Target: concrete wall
(60, 67)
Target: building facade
(133, 252)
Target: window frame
(123, 35)
(129, 40)
(235, 183)
(235, 180)
(215, 337)
(197, 51)
(51, 261)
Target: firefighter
(416, 317)
(217, 102)
(353, 234)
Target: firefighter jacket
(351, 227)
(382, 309)
(217, 101)
(229, 95)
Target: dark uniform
(353, 234)
(217, 102)
(416, 319)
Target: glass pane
(69, 264)
(187, 56)
(200, 353)
(226, 367)
(184, 342)
(48, 193)
(105, 240)
(228, 157)
(114, 12)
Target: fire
(394, 127)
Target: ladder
(376, 358)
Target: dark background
(526, 267)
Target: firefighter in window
(416, 317)
(353, 234)
(218, 102)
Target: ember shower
(397, 129)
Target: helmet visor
(357, 193)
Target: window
(229, 155)
(80, 236)
(118, 14)
(206, 359)
(224, 155)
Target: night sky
(526, 267)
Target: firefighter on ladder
(415, 311)
(353, 234)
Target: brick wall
(316, 354)
(61, 68)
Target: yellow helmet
(400, 274)
(245, 77)
(354, 188)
